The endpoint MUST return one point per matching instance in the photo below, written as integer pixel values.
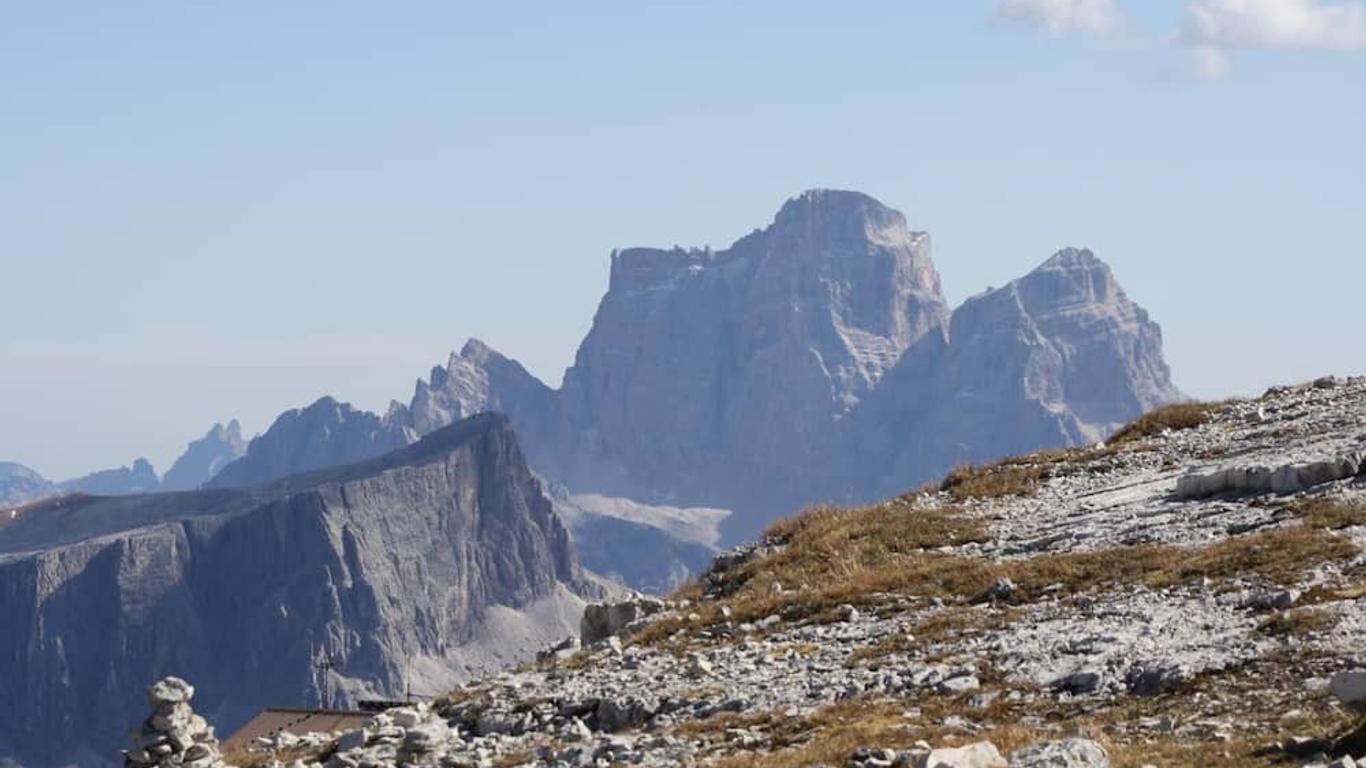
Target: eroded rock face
(713, 369)
(1059, 357)
(443, 557)
(479, 380)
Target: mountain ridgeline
(814, 360)
(413, 571)
(202, 460)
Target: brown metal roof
(271, 721)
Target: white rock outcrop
(1259, 479)
(1068, 753)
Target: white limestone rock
(1068, 753)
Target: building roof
(268, 722)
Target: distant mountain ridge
(325, 434)
(816, 360)
(140, 478)
(442, 559)
(20, 485)
(202, 459)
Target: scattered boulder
(1154, 678)
(1003, 591)
(982, 754)
(561, 650)
(603, 620)
(1080, 683)
(1271, 599)
(1350, 687)
(1068, 753)
(617, 714)
(959, 684)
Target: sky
(218, 210)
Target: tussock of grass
(1297, 623)
(994, 481)
(1022, 475)
(1175, 417)
(1330, 514)
(849, 556)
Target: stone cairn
(174, 736)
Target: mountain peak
(856, 213)
(477, 350)
(1072, 259)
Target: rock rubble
(1185, 660)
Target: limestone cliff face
(428, 565)
(714, 369)
(1059, 357)
(816, 360)
(324, 434)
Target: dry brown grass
(850, 556)
(1175, 417)
(1300, 622)
(830, 735)
(1022, 475)
(878, 555)
(861, 556)
(994, 481)
(1330, 514)
(1254, 700)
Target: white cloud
(1215, 27)
(1097, 18)
(1209, 61)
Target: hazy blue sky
(212, 210)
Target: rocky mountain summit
(325, 434)
(815, 359)
(19, 484)
(202, 459)
(139, 478)
(412, 571)
(206, 457)
(1149, 601)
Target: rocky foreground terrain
(1190, 593)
